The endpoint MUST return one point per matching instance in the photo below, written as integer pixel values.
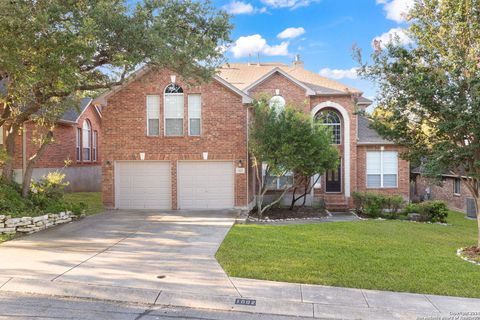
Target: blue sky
(321, 31)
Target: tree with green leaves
(285, 141)
(429, 92)
(54, 51)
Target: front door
(333, 180)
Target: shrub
(48, 191)
(374, 205)
(433, 211)
(393, 204)
(11, 202)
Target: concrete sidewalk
(270, 298)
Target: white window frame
(78, 145)
(188, 102)
(148, 115)
(338, 125)
(1, 135)
(381, 169)
(277, 187)
(89, 139)
(165, 114)
(94, 146)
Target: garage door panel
(205, 185)
(143, 185)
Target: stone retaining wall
(9, 225)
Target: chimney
(297, 61)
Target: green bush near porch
(374, 254)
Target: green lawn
(374, 254)
(93, 200)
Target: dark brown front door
(333, 180)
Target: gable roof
(72, 115)
(286, 75)
(243, 75)
(367, 135)
(102, 99)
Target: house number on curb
(246, 302)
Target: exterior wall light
(173, 78)
(142, 156)
(205, 155)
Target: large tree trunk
(7, 170)
(27, 175)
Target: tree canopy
(429, 92)
(288, 140)
(53, 51)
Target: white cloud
(396, 10)
(293, 4)
(391, 35)
(339, 73)
(249, 45)
(291, 33)
(240, 7)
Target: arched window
(277, 102)
(331, 119)
(86, 140)
(173, 110)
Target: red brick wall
(62, 148)
(403, 172)
(224, 130)
(443, 191)
(291, 92)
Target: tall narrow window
(382, 169)
(331, 119)
(94, 146)
(173, 110)
(456, 186)
(86, 140)
(1, 135)
(79, 145)
(153, 115)
(194, 114)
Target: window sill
(381, 188)
(457, 195)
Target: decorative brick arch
(346, 136)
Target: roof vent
(297, 61)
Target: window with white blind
(194, 114)
(277, 182)
(173, 109)
(86, 140)
(1, 135)
(382, 169)
(153, 115)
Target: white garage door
(143, 185)
(205, 185)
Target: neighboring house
(450, 189)
(172, 145)
(75, 149)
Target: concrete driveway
(171, 250)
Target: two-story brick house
(172, 145)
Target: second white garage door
(205, 185)
(143, 185)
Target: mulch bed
(286, 213)
(472, 253)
